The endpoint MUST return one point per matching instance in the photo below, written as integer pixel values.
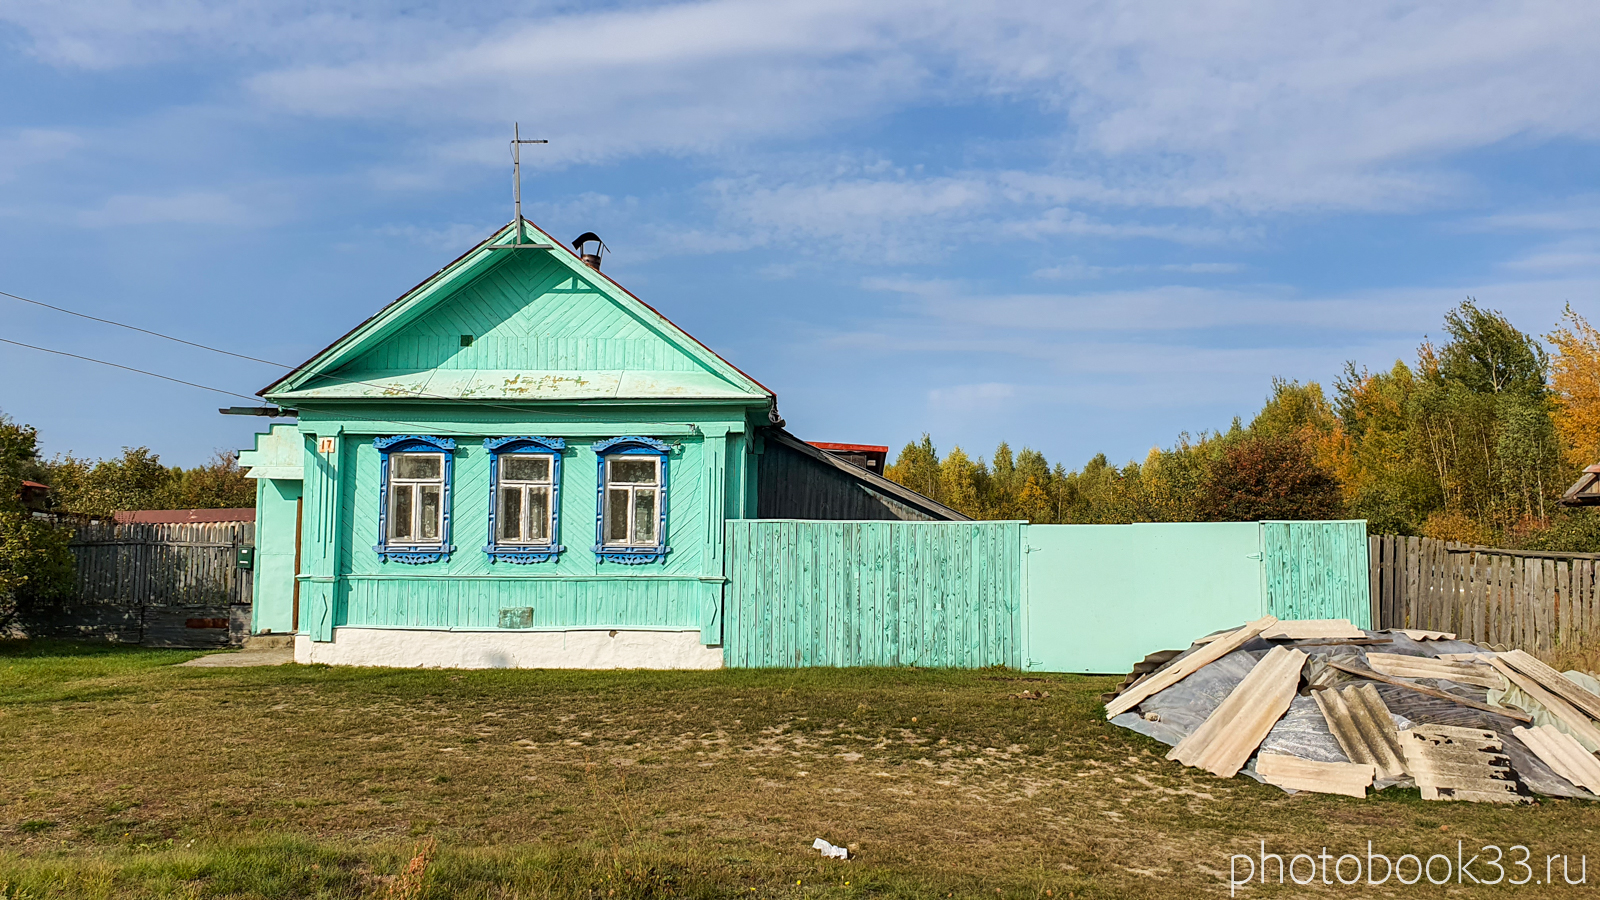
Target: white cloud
(186, 208)
(1075, 269)
(452, 238)
(33, 146)
(1575, 253)
(1227, 104)
(1096, 331)
(1204, 268)
(1580, 213)
(970, 397)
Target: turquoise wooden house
(519, 463)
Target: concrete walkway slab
(276, 657)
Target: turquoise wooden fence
(1317, 570)
(824, 593)
(1051, 598)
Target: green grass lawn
(123, 776)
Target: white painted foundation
(413, 648)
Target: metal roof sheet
(183, 516)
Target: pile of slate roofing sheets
(1323, 706)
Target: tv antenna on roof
(517, 141)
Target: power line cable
(216, 390)
(389, 389)
(129, 369)
(158, 334)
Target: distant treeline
(36, 565)
(138, 480)
(1474, 442)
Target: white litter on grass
(829, 850)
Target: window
(416, 498)
(632, 520)
(524, 498)
(525, 510)
(633, 500)
(414, 507)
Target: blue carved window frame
(631, 554)
(525, 554)
(414, 554)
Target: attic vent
(590, 257)
(466, 340)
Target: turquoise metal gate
(1102, 596)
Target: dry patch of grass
(1583, 656)
(122, 776)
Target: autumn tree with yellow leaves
(1473, 442)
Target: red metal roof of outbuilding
(182, 516)
(848, 448)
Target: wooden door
(299, 510)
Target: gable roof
(320, 377)
(1585, 491)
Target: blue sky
(1081, 227)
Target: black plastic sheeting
(1171, 715)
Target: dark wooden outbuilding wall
(798, 481)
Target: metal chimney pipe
(591, 258)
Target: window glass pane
(617, 516)
(400, 512)
(431, 504)
(633, 471)
(522, 467)
(538, 514)
(509, 516)
(417, 465)
(644, 516)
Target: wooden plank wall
(1317, 570)
(162, 585)
(818, 593)
(1503, 598)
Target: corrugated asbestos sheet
(1361, 723)
(1398, 665)
(1562, 753)
(1317, 570)
(1296, 774)
(1576, 723)
(933, 594)
(1451, 763)
(1188, 665)
(1553, 681)
(1229, 736)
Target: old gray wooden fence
(1536, 602)
(160, 585)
